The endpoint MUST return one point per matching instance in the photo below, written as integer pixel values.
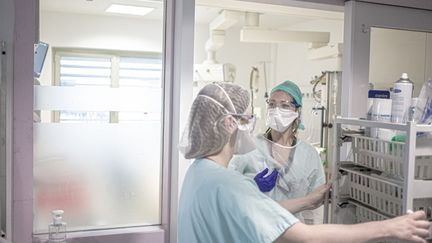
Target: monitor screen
(39, 58)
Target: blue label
(397, 91)
(379, 94)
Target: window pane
(84, 71)
(102, 172)
(84, 81)
(78, 61)
(140, 72)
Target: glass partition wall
(98, 116)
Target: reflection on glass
(393, 52)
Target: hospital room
(215, 121)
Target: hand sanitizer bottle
(57, 229)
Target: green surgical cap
(290, 88)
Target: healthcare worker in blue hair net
(220, 205)
(283, 166)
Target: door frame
(178, 43)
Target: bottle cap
(404, 76)
(57, 216)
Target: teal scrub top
(221, 205)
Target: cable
(265, 81)
(251, 85)
(317, 94)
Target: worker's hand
(411, 227)
(266, 183)
(316, 197)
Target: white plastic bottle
(57, 229)
(401, 99)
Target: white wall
(286, 61)
(98, 32)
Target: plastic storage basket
(365, 214)
(374, 191)
(387, 156)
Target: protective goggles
(245, 122)
(286, 105)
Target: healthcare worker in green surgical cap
(283, 166)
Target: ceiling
(97, 7)
(206, 10)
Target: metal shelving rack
(384, 179)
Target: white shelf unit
(385, 178)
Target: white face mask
(279, 119)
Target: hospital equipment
(373, 95)
(41, 50)
(214, 72)
(381, 111)
(384, 179)
(253, 85)
(402, 94)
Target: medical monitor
(39, 58)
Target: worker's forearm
(295, 205)
(366, 232)
(334, 233)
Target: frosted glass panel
(102, 175)
(84, 81)
(97, 98)
(85, 116)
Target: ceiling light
(127, 9)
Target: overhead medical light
(127, 9)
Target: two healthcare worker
(293, 167)
(220, 205)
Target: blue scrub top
(221, 205)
